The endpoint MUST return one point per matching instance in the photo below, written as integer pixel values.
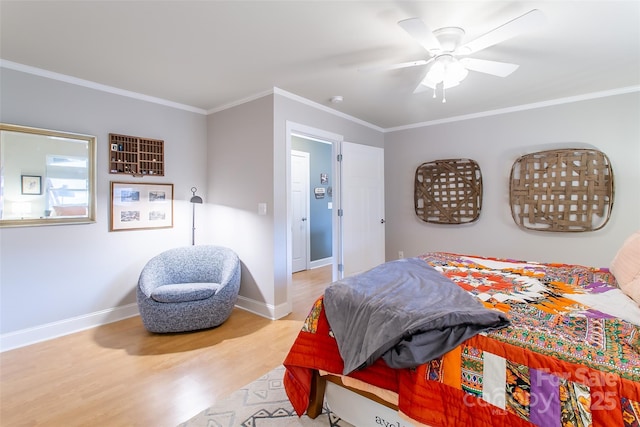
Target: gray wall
(609, 124)
(320, 161)
(240, 163)
(82, 274)
(54, 273)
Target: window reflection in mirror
(46, 177)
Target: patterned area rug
(263, 403)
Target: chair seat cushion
(184, 292)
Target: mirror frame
(91, 171)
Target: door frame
(293, 128)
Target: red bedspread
(492, 380)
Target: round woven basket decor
(448, 191)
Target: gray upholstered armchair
(188, 288)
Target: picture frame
(31, 184)
(136, 206)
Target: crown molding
(96, 86)
(240, 101)
(524, 107)
(326, 109)
(110, 89)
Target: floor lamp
(194, 200)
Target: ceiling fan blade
(376, 68)
(419, 31)
(522, 24)
(500, 69)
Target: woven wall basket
(448, 191)
(569, 190)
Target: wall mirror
(46, 177)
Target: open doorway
(321, 258)
(311, 202)
(356, 186)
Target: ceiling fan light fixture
(436, 73)
(446, 70)
(445, 44)
(455, 71)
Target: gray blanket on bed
(404, 311)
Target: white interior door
(362, 203)
(300, 206)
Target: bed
(569, 354)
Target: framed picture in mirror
(31, 184)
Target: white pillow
(626, 267)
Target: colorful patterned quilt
(571, 356)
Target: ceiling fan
(448, 57)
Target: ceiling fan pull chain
(434, 91)
(444, 95)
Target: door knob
(382, 221)
(304, 219)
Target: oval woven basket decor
(566, 190)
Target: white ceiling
(212, 54)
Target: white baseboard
(321, 262)
(262, 309)
(48, 331)
(24, 337)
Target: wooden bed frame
(319, 385)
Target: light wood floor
(121, 375)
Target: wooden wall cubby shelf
(132, 155)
